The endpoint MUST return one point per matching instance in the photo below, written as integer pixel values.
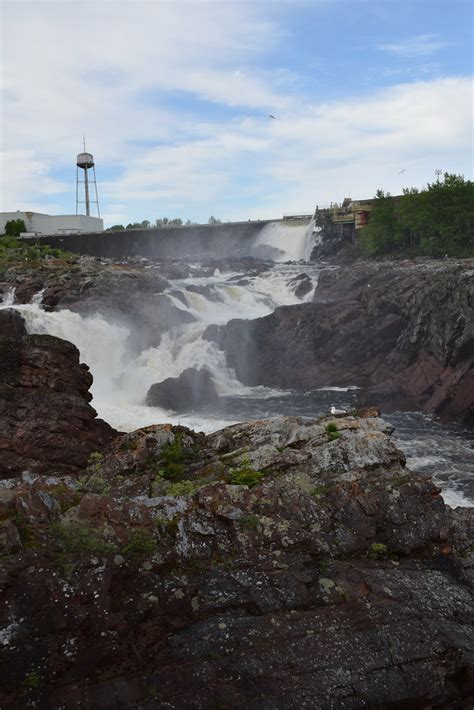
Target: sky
(174, 99)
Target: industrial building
(42, 224)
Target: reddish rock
(337, 579)
(46, 421)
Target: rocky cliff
(402, 331)
(276, 564)
(46, 421)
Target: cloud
(174, 101)
(418, 46)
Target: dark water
(443, 451)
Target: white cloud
(113, 69)
(417, 46)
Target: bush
(141, 544)
(173, 459)
(245, 475)
(332, 431)
(377, 551)
(76, 538)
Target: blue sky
(175, 97)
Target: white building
(46, 224)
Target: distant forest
(158, 224)
(435, 221)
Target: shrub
(331, 427)
(377, 551)
(172, 459)
(77, 538)
(140, 544)
(32, 680)
(245, 475)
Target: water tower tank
(85, 161)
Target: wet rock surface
(274, 564)
(46, 421)
(193, 389)
(402, 331)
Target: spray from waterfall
(286, 240)
(122, 377)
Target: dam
(287, 238)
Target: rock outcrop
(193, 389)
(402, 331)
(46, 421)
(275, 564)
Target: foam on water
(294, 240)
(122, 378)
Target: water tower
(85, 162)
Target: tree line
(159, 223)
(435, 221)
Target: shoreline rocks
(401, 331)
(273, 564)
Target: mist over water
(122, 377)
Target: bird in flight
(402, 171)
(270, 116)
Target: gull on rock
(338, 411)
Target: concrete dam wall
(280, 240)
(195, 241)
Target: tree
(435, 221)
(116, 228)
(14, 227)
(214, 220)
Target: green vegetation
(173, 459)
(181, 488)
(141, 544)
(435, 221)
(332, 431)
(159, 223)
(14, 227)
(95, 459)
(245, 475)
(78, 538)
(249, 522)
(377, 551)
(12, 250)
(32, 680)
(319, 490)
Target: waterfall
(291, 240)
(122, 378)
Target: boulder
(46, 421)
(193, 389)
(301, 285)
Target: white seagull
(338, 411)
